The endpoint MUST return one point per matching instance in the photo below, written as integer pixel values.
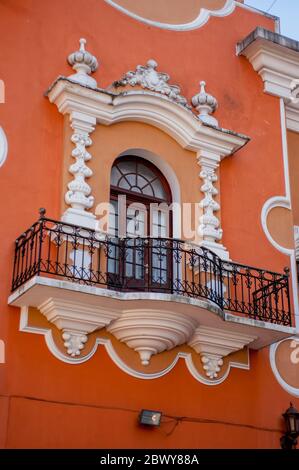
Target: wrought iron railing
(85, 256)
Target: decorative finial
(42, 212)
(205, 104)
(152, 64)
(84, 63)
(82, 42)
(149, 78)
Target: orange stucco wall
(280, 225)
(170, 11)
(43, 401)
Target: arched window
(141, 221)
(147, 199)
(135, 175)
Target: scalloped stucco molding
(68, 359)
(202, 18)
(272, 355)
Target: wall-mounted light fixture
(289, 439)
(150, 418)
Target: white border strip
(292, 390)
(3, 146)
(285, 202)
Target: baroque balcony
(151, 293)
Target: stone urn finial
(205, 104)
(84, 63)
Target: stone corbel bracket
(146, 326)
(146, 331)
(76, 321)
(276, 59)
(215, 344)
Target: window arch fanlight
(137, 176)
(145, 187)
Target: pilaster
(79, 195)
(209, 228)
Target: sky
(287, 10)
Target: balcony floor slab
(38, 289)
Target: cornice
(146, 106)
(276, 59)
(292, 118)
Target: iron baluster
(150, 264)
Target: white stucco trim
(276, 201)
(292, 117)
(3, 146)
(276, 60)
(2, 352)
(203, 16)
(285, 202)
(292, 390)
(38, 288)
(145, 106)
(47, 333)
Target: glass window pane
(113, 219)
(141, 181)
(148, 191)
(123, 183)
(137, 177)
(126, 167)
(135, 189)
(131, 178)
(146, 172)
(159, 190)
(129, 270)
(115, 175)
(136, 220)
(160, 226)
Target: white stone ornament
(78, 195)
(209, 227)
(151, 332)
(84, 63)
(205, 104)
(213, 344)
(148, 77)
(76, 319)
(212, 365)
(296, 236)
(74, 343)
